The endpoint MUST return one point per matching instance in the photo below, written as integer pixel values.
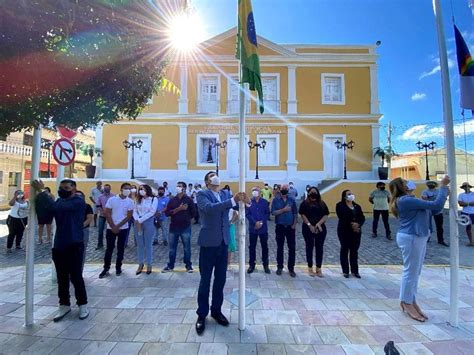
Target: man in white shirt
(466, 201)
(94, 197)
(118, 211)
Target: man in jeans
(286, 216)
(68, 249)
(102, 202)
(161, 217)
(380, 199)
(118, 211)
(257, 214)
(181, 210)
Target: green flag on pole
(247, 50)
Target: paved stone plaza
(155, 314)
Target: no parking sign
(64, 151)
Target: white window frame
(261, 137)
(247, 93)
(278, 94)
(200, 76)
(343, 89)
(199, 147)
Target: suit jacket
(214, 218)
(347, 216)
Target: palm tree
(385, 154)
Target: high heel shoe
(140, 269)
(417, 317)
(420, 311)
(148, 270)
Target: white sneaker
(62, 311)
(83, 312)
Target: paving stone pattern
(155, 314)
(373, 251)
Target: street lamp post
(257, 146)
(132, 145)
(344, 146)
(218, 145)
(431, 146)
(47, 144)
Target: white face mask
(133, 191)
(142, 193)
(255, 193)
(215, 180)
(178, 190)
(126, 192)
(19, 196)
(350, 197)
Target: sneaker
(190, 270)
(166, 269)
(62, 311)
(267, 269)
(279, 271)
(9, 250)
(103, 274)
(389, 237)
(165, 243)
(83, 312)
(374, 235)
(118, 272)
(18, 247)
(292, 273)
(250, 269)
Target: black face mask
(313, 196)
(64, 193)
(161, 194)
(284, 192)
(382, 188)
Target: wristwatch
(309, 224)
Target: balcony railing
(208, 106)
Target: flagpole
(242, 171)
(451, 158)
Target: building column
(374, 91)
(182, 162)
(291, 163)
(99, 132)
(292, 103)
(375, 144)
(183, 98)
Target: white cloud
(418, 96)
(420, 132)
(437, 67)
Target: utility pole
(389, 146)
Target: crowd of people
(172, 213)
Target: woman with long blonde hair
(414, 215)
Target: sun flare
(186, 31)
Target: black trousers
(212, 259)
(68, 263)
(253, 248)
(196, 217)
(285, 232)
(375, 223)
(350, 243)
(121, 238)
(438, 218)
(314, 241)
(16, 228)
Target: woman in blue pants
(144, 216)
(414, 215)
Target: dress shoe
(250, 269)
(374, 235)
(444, 243)
(279, 271)
(103, 274)
(390, 348)
(139, 270)
(220, 319)
(346, 276)
(267, 269)
(118, 272)
(200, 325)
(389, 237)
(356, 274)
(292, 273)
(148, 270)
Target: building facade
(314, 95)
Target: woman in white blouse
(17, 219)
(144, 216)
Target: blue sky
(409, 78)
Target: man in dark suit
(213, 205)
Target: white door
(208, 95)
(233, 157)
(333, 158)
(142, 157)
(270, 93)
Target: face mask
(126, 192)
(178, 190)
(284, 192)
(215, 180)
(161, 194)
(382, 188)
(350, 197)
(313, 195)
(107, 191)
(133, 191)
(20, 196)
(142, 193)
(255, 193)
(64, 193)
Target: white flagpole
(31, 231)
(242, 171)
(451, 158)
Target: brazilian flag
(247, 50)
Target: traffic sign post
(64, 152)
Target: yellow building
(314, 95)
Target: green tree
(76, 63)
